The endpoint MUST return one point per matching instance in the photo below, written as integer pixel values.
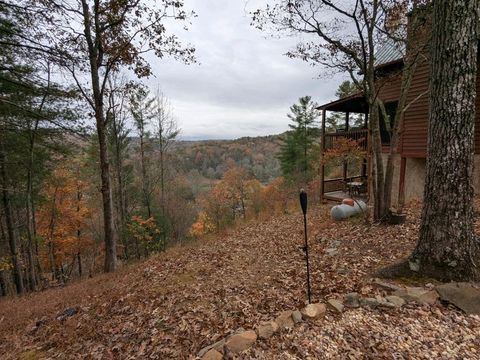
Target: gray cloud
(243, 84)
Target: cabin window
(386, 125)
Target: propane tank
(348, 208)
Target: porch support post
(347, 128)
(401, 186)
(322, 166)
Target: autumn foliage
(238, 196)
(145, 233)
(62, 222)
(344, 149)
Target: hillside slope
(210, 158)
(174, 304)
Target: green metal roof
(389, 52)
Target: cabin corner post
(322, 166)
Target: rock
(314, 311)
(239, 330)
(372, 302)
(216, 346)
(381, 301)
(240, 342)
(297, 317)
(331, 251)
(352, 300)
(335, 305)
(385, 286)
(212, 354)
(267, 329)
(343, 271)
(414, 265)
(417, 294)
(462, 295)
(40, 322)
(396, 301)
(67, 313)
(284, 320)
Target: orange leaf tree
(62, 219)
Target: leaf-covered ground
(174, 304)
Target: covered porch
(346, 118)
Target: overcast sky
(243, 84)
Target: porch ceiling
(354, 104)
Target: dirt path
(172, 305)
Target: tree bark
(145, 182)
(377, 168)
(80, 268)
(33, 262)
(122, 209)
(12, 236)
(95, 59)
(447, 247)
(3, 284)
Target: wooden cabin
(409, 173)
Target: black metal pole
(303, 203)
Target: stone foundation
(415, 178)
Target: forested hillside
(162, 196)
(211, 158)
(120, 240)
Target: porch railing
(339, 184)
(359, 135)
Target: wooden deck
(340, 195)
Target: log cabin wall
(414, 134)
(415, 121)
(413, 141)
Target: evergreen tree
(300, 149)
(142, 110)
(334, 119)
(34, 114)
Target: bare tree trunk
(80, 268)
(447, 247)
(122, 211)
(110, 236)
(416, 43)
(33, 263)
(79, 234)
(51, 250)
(378, 181)
(145, 187)
(3, 284)
(12, 236)
(162, 176)
(96, 58)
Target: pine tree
(346, 88)
(142, 110)
(300, 149)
